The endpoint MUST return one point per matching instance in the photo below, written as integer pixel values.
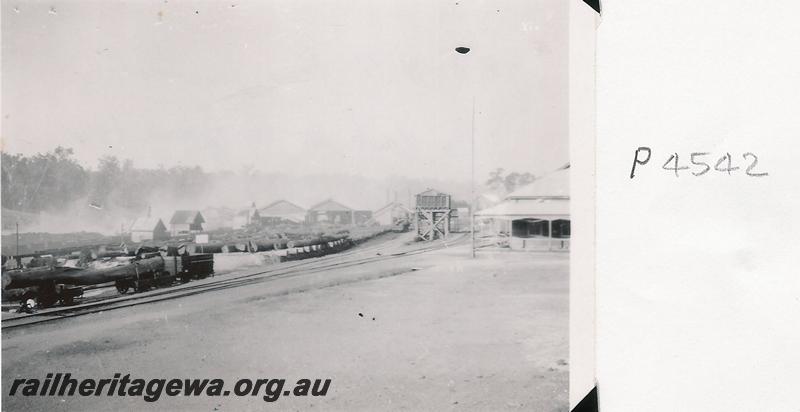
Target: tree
(496, 180)
(105, 181)
(510, 182)
(45, 181)
(516, 180)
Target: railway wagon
(49, 285)
(183, 268)
(187, 267)
(140, 275)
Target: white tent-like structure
(536, 216)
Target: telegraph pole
(17, 238)
(465, 50)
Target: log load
(217, 247)
(15, 279)
(265, 245)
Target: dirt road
(436, 331)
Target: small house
(148, 228)
(186, 222)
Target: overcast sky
(357, 87)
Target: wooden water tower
(432, 215)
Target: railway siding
(367, 255)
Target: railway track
(280, 271)
(362, 250)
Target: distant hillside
(51, 192)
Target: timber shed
(282, 211)
(330, 211)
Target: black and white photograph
(290, 205)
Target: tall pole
(472, 181)
(17, 238)
(465, 50)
